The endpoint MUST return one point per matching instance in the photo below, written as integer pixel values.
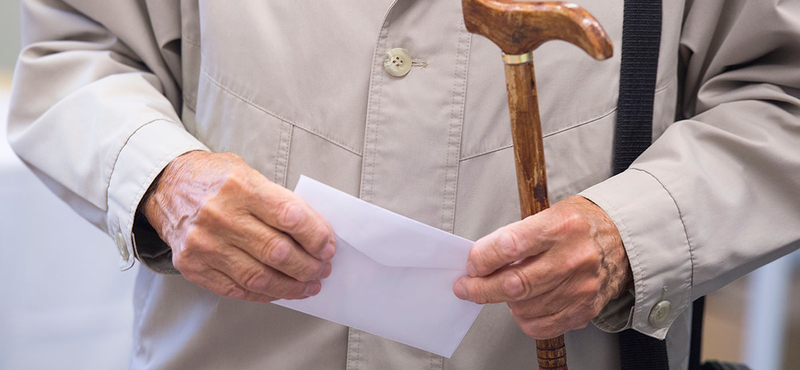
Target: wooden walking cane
(519, 27)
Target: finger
(254, 276)
(551, 326)
(277, 250)
(283, 210)
(543, 327)
(545, 304)
(221, 284)
(506, 245)
(520, 281)
(576, 294)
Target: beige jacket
(106, 93)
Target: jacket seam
(560, 131)
(490, 151)
(278, 155)
(373, 111)
(116, 160)
(277, 116)
(192, 41)
(456, 123)
(286, 155)
(685, 232)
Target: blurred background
(65, 304)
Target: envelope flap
(386, 237)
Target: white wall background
(64, 304)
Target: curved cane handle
(519, 27)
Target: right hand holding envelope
(237, 234)
(556, 269)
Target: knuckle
(289, 214)
(181, 264)
(591, 288)
(516, 284)
(254, 280)
(505, 248)
(591, 257)
(508, 243)
(210, 214)
(478, 261)
(240, 179)
(276, 250)
(572, 263)
(265, 282)
(193, 244)
(233, 157)
(234, 181)
(574, 221)
(584, 258)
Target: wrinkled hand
(237, 234)
(556, 269)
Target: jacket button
(397, 62)
(659, 314)
(122, 247)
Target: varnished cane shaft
(518, 28)
(526, 132)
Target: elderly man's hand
(237, 234)
(556, 269)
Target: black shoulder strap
(641, 39)
(697, 333)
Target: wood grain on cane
(519, 27)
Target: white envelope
(392, 276)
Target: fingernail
(471, 269)
(312, 289)
(326, 271)
(328, 252)
(460, 290)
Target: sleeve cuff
(143, 157)
(654, 237)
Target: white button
(122, 247)
(397, 62)
(659, 314)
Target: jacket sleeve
(94, 102)
(717, 195)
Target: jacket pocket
(228, 122)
